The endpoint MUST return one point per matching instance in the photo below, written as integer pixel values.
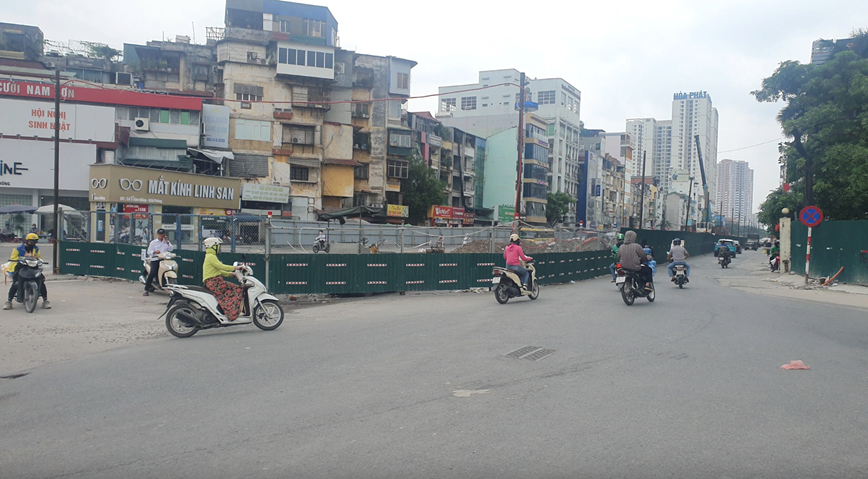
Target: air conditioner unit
(143, 124)
(295, 140)
(123, 78)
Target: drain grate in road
(532, 353)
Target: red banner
(107, 96)
(457, 213)
(137, 209)
(440, 212)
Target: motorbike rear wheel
(268, 315)
(316, 248)
(627, 292)
(501, 293)
(680, 283)
(31, 295)
(174, 323)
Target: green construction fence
(339, 274)
(833, 244)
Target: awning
(353, 163)
(355, 211)
(308, 162)
(213, 155)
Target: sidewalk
(750, 273)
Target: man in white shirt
(678, 255)
(159, 245)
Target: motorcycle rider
(724, 251)
(29, 248)
(615, 256)
(633, 258)
(321, 239)
(229, 296)
(512, 254)
(677, 255)
(160, 244)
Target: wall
(833, 244)
(337, 181)
(500, 173)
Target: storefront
(174, 201)
(450, 216)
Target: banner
(398, 211)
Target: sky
(627, 58)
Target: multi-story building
(620, 145)
(178, 67)
(735, 190)
(613, 191)
(823, 50)
(492, 110)
(643, 133)
(592, 180)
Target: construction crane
(704, 185)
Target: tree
(557, 205)
(421, 189)
(770, 210)
(826, 120)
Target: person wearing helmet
(229, 296)
(29, 248)
(678, 255)
(615, 256)
(633, 258)
(512, 254)
(160, 244)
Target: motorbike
(679, 276)
(724, 261)
(633, 287)
(321, 245)
(774, 262)
(193, 308)
(168, 273)
(507, 284)
(29, 273)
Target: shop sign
(137, 209)
(30, 164)
(213, 212)
(443, 212)
(105, 96)
(458, 213)
(469, 218)
(265, 193)
(505, 214)
(216, 121)
(125, 184)
(398, 211)
(77, 122)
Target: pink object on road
(798, 364)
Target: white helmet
(211, 242)
(513, 237)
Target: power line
(752, 146)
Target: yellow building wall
(337, 181)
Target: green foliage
(557, 205)
(826, 119)
(421, 189)
(770, 210)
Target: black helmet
(676, 241)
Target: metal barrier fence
(339, 273)
(834, 244)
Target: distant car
(731, 244)
(752, 244)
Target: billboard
(77, 122)
(216, 125)
(30, 164)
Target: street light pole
(518, 182)
(57, 229)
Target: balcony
(283, 114)
(318, 100)
(260, 37)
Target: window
(298, 173)
(546, 97)
(320, 59)
(300, 54)
(330, 60)
(448, 104)
(404, 81)
(248, 92)
(252, 130)
(563, 99)
(164, 116)
(400, 140)
(185, 117)
(361, 172)
(311, 59)
(468, 103)
(314, 28)
(281, 55)
(284, 26)
(398, 169)
(299, 135)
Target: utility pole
(520, 148)
(642, 194)
(689, 196)
(57, 225)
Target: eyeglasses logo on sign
(127, 184)
(98, 182)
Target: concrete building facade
(735, 190)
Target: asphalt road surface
(420, 386)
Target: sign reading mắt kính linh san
(265, 193)
(126, 184)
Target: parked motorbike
(168, 273)
(679, 276)
(775, 262)
(192, 308)
(507, 284)
(321, 245)
(632, 286)
(29, 277)
(724, 261)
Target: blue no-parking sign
(811, 216)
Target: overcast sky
(626, 57)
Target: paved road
(419, 386)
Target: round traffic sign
(811, 216)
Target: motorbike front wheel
(31, 295)
(627, 293)
(268, 315)
(316, 248)
(178, 318)
(534, 291)
(652, 295)
(501, 293)
(170, 280)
